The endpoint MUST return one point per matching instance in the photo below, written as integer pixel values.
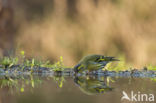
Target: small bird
(93, 63)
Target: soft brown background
(74, 28)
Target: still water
(64, 89)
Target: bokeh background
(75, 28)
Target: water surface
(59, 89)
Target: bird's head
(97, 60)
(94, 61)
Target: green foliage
(22, 61)
(118, 66)
(23, 53)
(33, 62)
(150, 67)
(59, 66)
(8, 61)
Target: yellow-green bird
(93, 63)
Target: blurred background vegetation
(75, 28)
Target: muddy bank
(19, 70)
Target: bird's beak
(114, 59)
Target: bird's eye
(100, 59)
